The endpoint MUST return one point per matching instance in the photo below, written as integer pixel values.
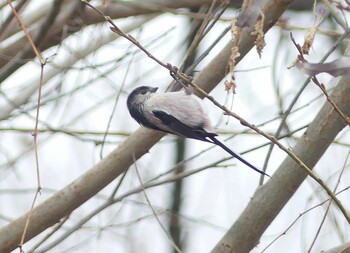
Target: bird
(180, 113)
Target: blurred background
(88, 71)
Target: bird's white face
(140, 95)
(143, 96)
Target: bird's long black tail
(220, 144)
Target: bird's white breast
(186, 108)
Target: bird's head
(140, 95)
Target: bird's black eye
(143, 92)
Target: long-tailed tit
(176, 113)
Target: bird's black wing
(180, 128)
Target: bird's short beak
(153, 90)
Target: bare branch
(270, 198)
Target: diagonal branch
(269, 199)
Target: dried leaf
(259, 33)
(309, 39)
(231, 85)
(235, 33)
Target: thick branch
(115, 10)
(345, 248)
(269, 199)
(68, 199)
(52, 70)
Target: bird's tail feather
(224, 147)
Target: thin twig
(116, 103)
(24, 29)
(10, 18)
(330, 202)
(26, 225)
(320, 85)
(34, 42)
(55, 229)
(299, 216)
(330, 100)
(35, 133)
(153, 211)
(205, 27)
